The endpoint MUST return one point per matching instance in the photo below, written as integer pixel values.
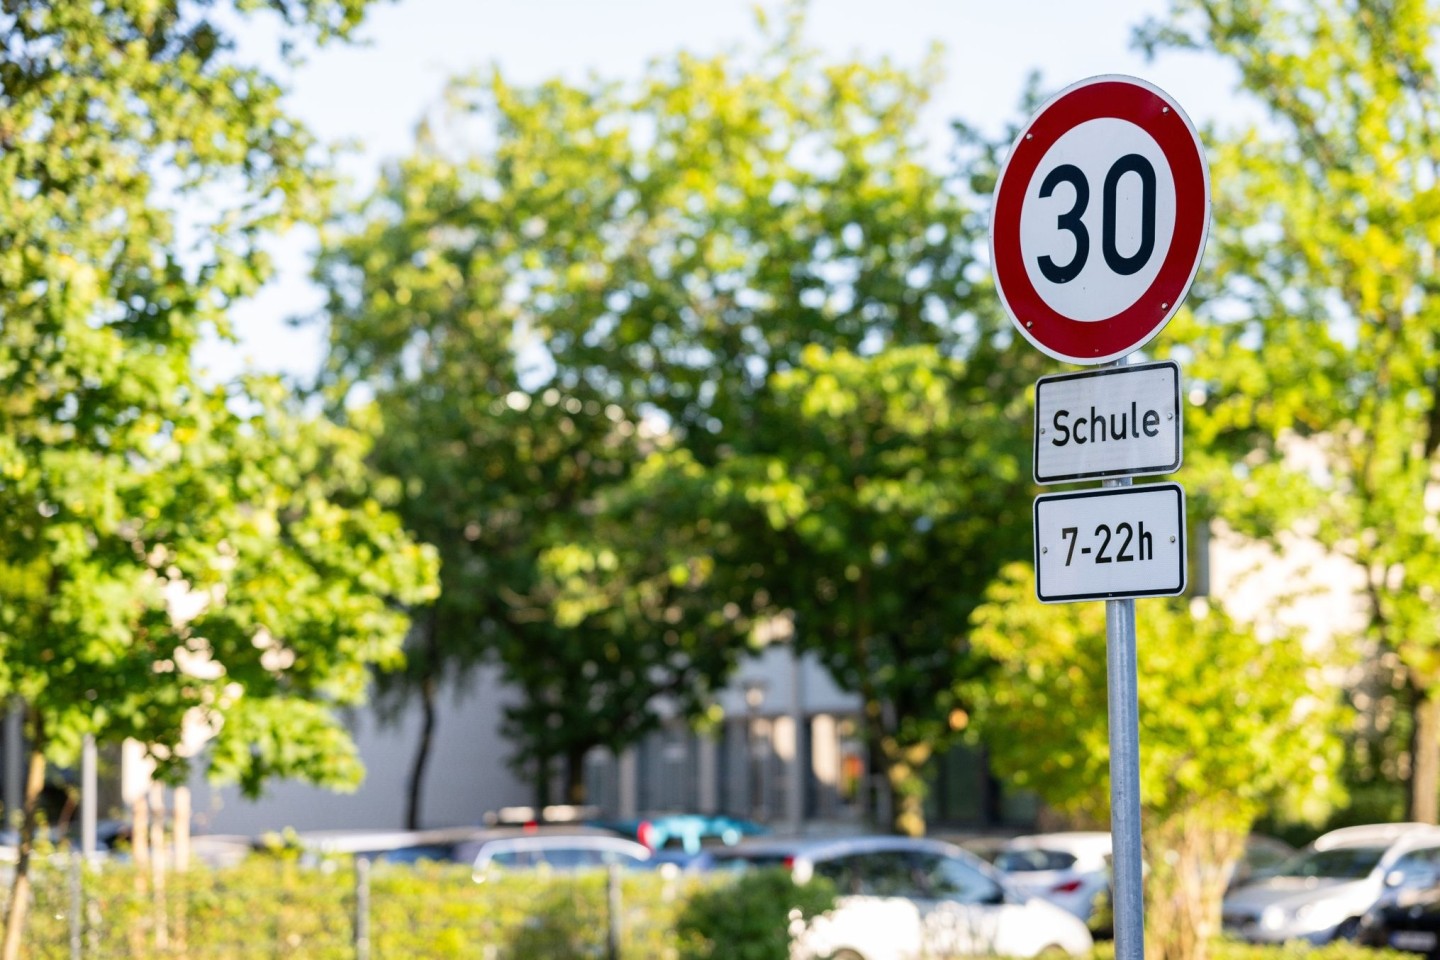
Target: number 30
(1070, 220)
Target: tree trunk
(879, 789)
(140, 854)
(1191, 856)
(428, 692)
(542, 784)
(992, 805)
(575, 776)
(20, 885)
(158, 865)
(1425, 758)
(181, 818)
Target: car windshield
(749, 861)
(562, 858)
(1032, 860)
(1343, 863)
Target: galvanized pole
(1124, 779)
(612, 912)
(362, 908)
(77, 908)
(89, 804)
(1126, 859)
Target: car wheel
(1052, 952)
(1348, 929)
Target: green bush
(749, 918)
(278, 907)
(1235, 950)
(268, 907)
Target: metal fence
(347, 910)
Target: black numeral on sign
(1130, 163)
(1103, 531)
(1125, 555)
(1071, 174)
(1070, 220)
(1131, 537)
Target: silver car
(556, 852)
(907, 899)
(1070, 869)
(1322, 893)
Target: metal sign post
(1100, 217)
(1124, 707)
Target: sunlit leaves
(182, 563)
(1318, 337)
(872, 505)
(574, 301)
(1229, 720)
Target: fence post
(362, 908)
(77, 906)
(612, 899)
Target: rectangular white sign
(1110, 544)
(1115, 422)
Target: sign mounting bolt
(1044, 549)
(1172, 539)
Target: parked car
(1263, 856)
(1412, 924)
(1070, 869)
(903, 899)
(382, 846)
(557, 851)
(685, 831)
(1321, 893)
(987, 848)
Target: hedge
(268, 907)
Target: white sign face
(1115, 422)
(1110, 544)
(1080, 192)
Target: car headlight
(1273, 918)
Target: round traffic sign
(1099, 219)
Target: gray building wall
(467, 775)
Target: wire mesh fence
(347, 910)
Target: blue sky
(372, 94)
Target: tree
(645, 591)
(873, 507)
(645, 256)
(1317, 337)
(172, 555)
(1233, 721)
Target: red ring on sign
(1101, 340)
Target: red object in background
(645, 833)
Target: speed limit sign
(1099, 219)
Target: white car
(1070, 869)
(557, 851)
(1324, 891)
(906, 899)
